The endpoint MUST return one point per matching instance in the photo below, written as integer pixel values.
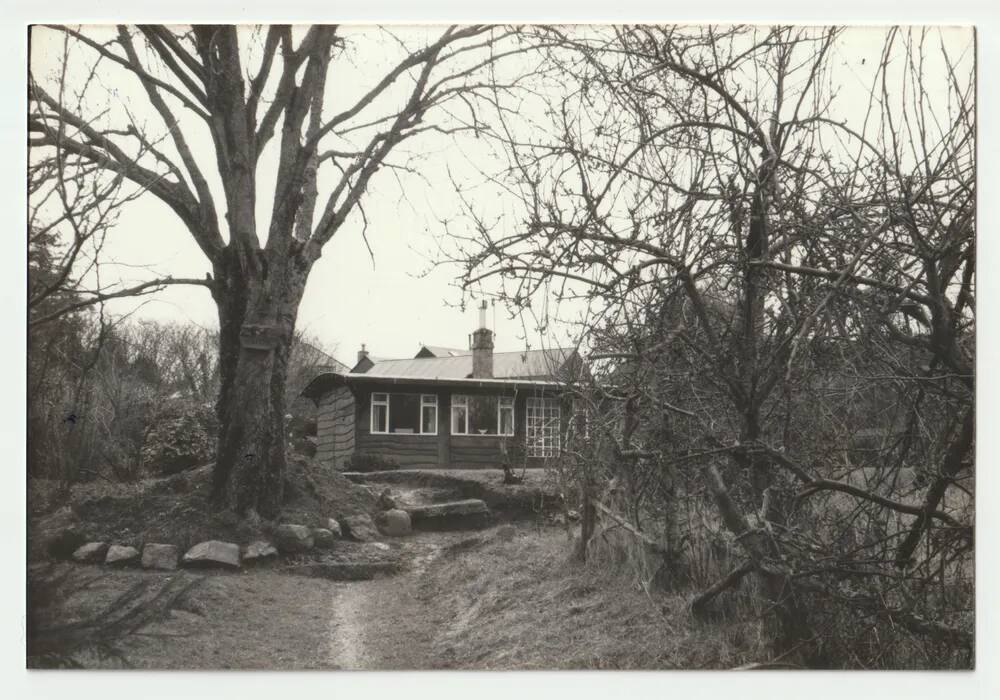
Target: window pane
(483, 415)
(506, 420)
(458, 415)
(379, 416)
(428, 419)
(404, 413)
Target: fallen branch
(631, 529)
(699, 605)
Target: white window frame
(503, 403)
(581, 410)
(458, 401)
(429, 401)
(379, 402)
(543, 419)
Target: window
(404, 414)
(380, 413)
(581, 419)
(542, 426)
(459, 414)
(428, 414)
(505, 417)
(482, 415)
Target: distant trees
(779, 291)
(247, 90)
(128, 399)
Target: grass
(525, 604)
(181, 620)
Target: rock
(360, 528)
(259, 551)
(323, 538)
(91, 553)
(573, 514)
(333, 526)
(159, 556)
(386, 501)
(63, 544)
(121, 555)
(293, 538)
(213, 553)
(379, 545)
(394, 522)
(471, 513)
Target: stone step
(467, 514)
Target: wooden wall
(344, 426)
(335, 427)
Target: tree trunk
(257, 313)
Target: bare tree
(730, 235)
(272, 87)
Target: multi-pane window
(505, 416)
(428, 414)
(380, 413)
(482, 414)
(542, 426)
(404, 414)
(459, 414)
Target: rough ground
(508, 597)
(503, 598)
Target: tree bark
(257, 314)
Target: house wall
(344, 427)
(335, 427)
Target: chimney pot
(362, 353)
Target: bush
(182, 437)
(362, 462)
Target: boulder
(470, 513)
(360, 528)
(291, 539)
(323, 538)
(333, 526)
(91, 553)
(121, 555)
(213, 553)
(394, 522)
(159, 556)
(259, 551)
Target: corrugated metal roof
(528, 364)
(328, 380)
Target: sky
(394, 297)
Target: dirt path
(383, 624)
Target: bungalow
(447, 407)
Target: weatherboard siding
(344, 428)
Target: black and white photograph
(500, 347)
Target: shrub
(181, 437)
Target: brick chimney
(482, 348)
(362, 353)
